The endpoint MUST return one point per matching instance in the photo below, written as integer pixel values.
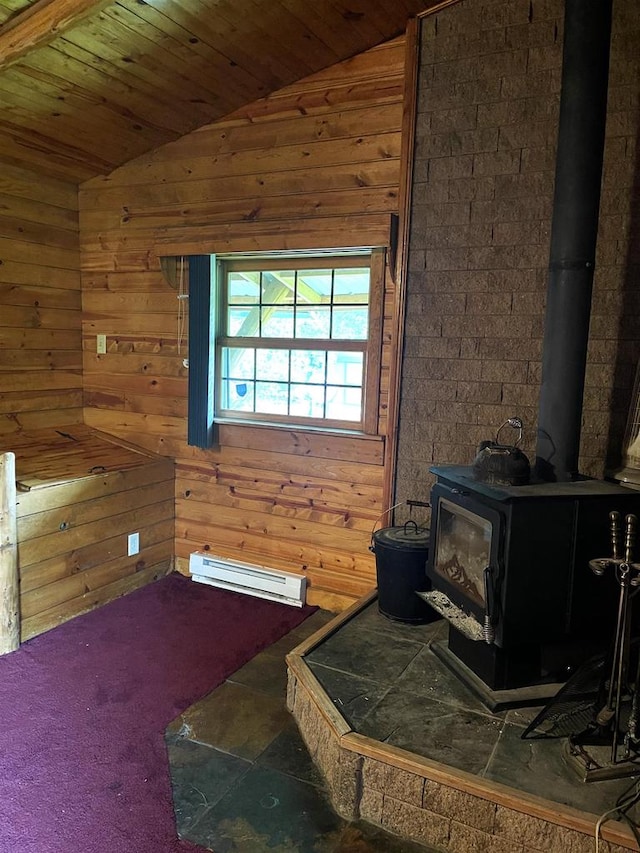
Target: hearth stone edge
(423, 800)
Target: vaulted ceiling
(87, 85)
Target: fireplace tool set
(609, 746)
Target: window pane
(244, 288)
(242, 321)
(314, 287)
(351, 285)
(238, 363)
(345, 368)
(272, 364)
(237, 395)
(272, 398)
(313, 322)
(307, 401)
(308, 366)
(277, 322)
(350, 324)
(344, 404)
(278, 287)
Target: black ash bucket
(401, 561)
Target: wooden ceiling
(87, 85)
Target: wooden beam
(9, 587)
(40, 23)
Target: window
(293, 339)
(296, 339)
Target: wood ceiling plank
(173, 64)
(40, 23)
(125, 82)
(328, 27)
(172, 20)
(127, 104)
(8, 8)
(216, 32)
(295, 35)
(362, 20)
(246, 38)
(113, 136)
(177, 57)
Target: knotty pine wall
(40, 299)
(315, 165)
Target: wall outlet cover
(133, 544)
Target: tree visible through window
(293, 339)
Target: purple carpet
(83, 709)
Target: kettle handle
(514, 423)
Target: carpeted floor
(83, 709)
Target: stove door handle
(488, 629)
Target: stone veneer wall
(417, 804)
(488, 99)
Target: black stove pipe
(583, 108)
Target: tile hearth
(413, 746)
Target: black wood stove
(509, 568)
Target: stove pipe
(583, 108)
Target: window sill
(297, 428)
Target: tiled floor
(243, 780)
(389, 685)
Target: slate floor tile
(288, 754)
(269, 811)
(539, 767)
(454, 736)
(265, 672)
(366, 653)
(371, 619)
(427, 676)
(200, 776)
(234, 719)
(353, 697)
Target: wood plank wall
(40, 320)
(314, 165)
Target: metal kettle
(502, 464)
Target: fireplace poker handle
(630, 538)
(614, 518)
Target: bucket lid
(407, 536)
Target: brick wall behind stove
(488, 104)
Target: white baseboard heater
(248, 579)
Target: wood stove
(509, 568)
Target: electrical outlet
(101, 344)
(133, 544)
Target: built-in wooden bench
(79, 494)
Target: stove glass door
(462, 549)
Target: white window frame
(370, 348)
